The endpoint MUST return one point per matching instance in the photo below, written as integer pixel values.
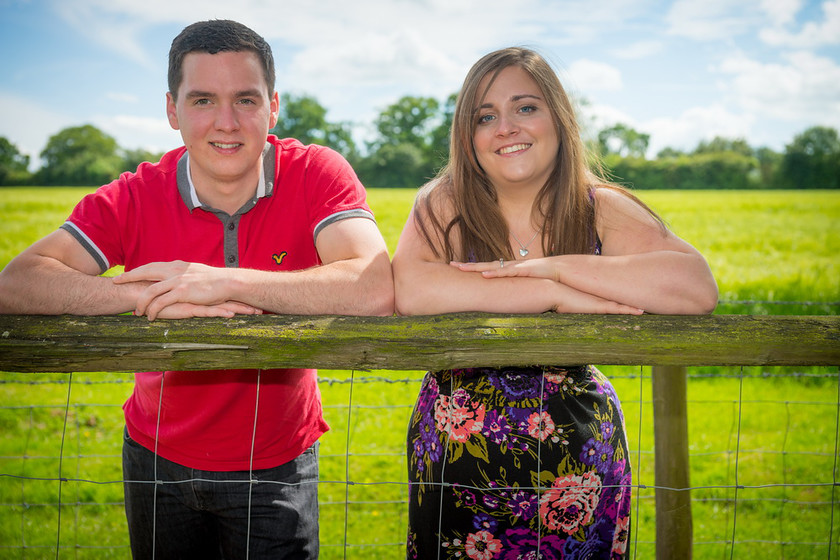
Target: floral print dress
(524, 462)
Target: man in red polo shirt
(235, 222)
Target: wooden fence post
(670, 428)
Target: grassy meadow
(771, 431)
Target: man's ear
(172, 111)
(274, 107)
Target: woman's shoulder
(612, 199)
(618, 209)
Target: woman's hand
(569, 300)
(534, 268)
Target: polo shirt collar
(265, 187)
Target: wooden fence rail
(668, 343)
(127, 343)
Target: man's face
(224, 112)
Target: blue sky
(682, 71)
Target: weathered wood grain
(128, 343)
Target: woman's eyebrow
(513, 98)
(525, 96)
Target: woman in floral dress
(528, 461)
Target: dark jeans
(206, 514)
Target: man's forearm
(47, 287)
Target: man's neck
(227, 197)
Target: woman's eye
(484, 119)
(528, 109)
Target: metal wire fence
(763, 451)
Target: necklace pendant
(523, 252)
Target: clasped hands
(535, 268)
(569, 299)
(178, 290)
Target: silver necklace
(523, 249)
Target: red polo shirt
(205, 420)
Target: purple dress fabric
(520, 462)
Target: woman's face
(515, 139)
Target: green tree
(769, 167)
(82, 155)
(408, 121)
(439, 145)
(406, 151)
(812, 160)
(623, 140)
(669, 153)
(394, 166)
(720, 145)
(304, 118)
(133, 158)
(14, 166)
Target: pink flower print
(570, 502)
(622, 530)
(482, 545)
(540, 425)
(458, 417)
(557, 377)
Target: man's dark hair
(213, 37)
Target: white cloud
(375, 60)
(806, 88)
(29, 125)
(590, 75)
(130, 132)
(95, 21)
(781, 12)
(594, 117)
(710, 20)
(682, 132)
(577, 22)
(685, 131)
(812, 34)
(122, 97)
(639, 49)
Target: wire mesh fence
(763, 452)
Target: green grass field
(763, 247)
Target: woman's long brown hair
(564, 205)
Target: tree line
(410, 142)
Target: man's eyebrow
(249, 93)
(244, 93)
(513, 98)
(196, 93)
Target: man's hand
(187, 310)
(181, 289)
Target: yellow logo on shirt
(279, 258)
